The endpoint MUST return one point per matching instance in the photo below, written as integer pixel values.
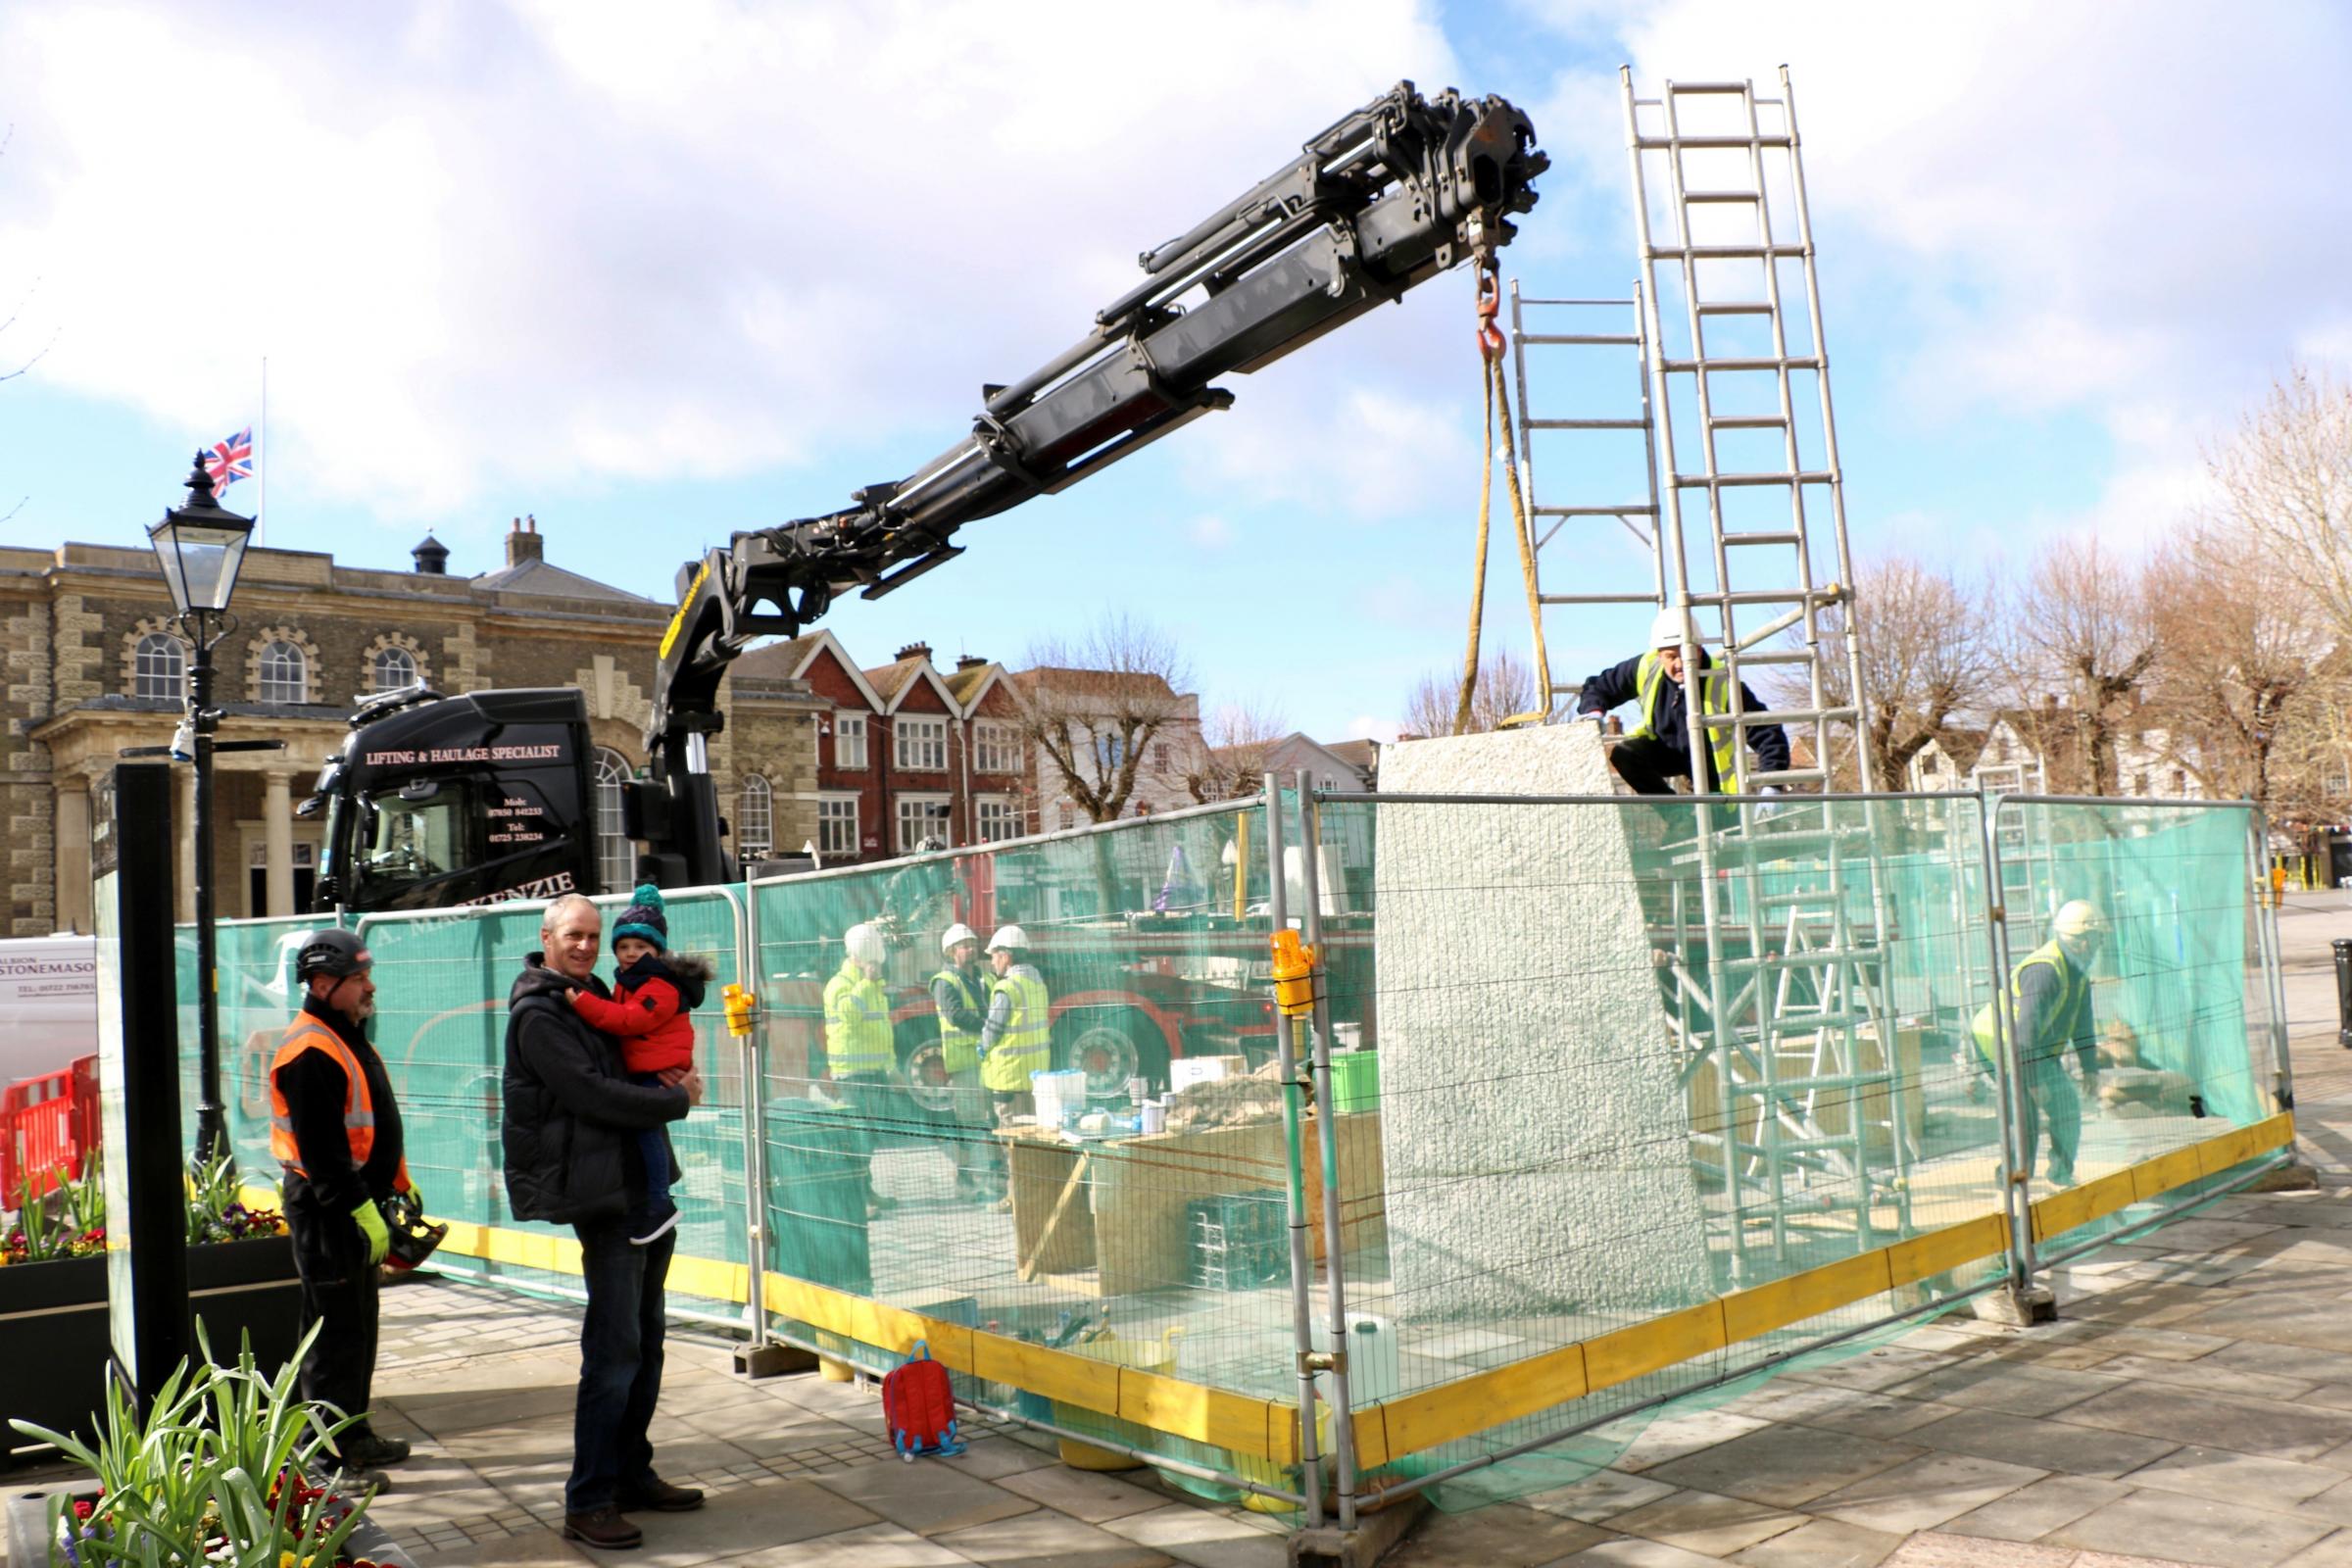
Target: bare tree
(1237, 741)
(2286, 485)
(2080, 627)
(1925, 659)
(1091, 706)
(2242, 696)
(1506, 688)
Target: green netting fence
(1594, 1103)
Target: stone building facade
(91, 667)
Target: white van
(48, 1004)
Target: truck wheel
(928, 1084)
(1114, 1046)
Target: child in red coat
(653, 992)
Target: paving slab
(732, 1524)
(2034, 1510)
(2205, 1373)
(1041, 1539)
(1785, 1466)
(1502, 1535)
(1655, 1443)
(2018, 1387)
(1707, 1522)
(1600, 1496)
(2335, 1551)
(1202, 1538)
(928, 1500)
(1851, 1410)
(1629, 1551)
(2196, 1530)
(2043, 1445)
(2228, 1477)
(1086, 1494)
(1925, 1493)
(2270, 1427)
(872, 1546)
(1823, 1543)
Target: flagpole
(260, 508)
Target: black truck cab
(477, 799)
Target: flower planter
(28, 1534)
(53, 1326)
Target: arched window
(392, 669)
(285, 674)
(161, 667)
(755, 822)
(615, 855)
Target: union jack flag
(230, 460)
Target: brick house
(904, 751)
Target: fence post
(1327, 1118)
(2266, 942)
(2015, 1201)
(762, 1357)
(1302, 1331)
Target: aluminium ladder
(1788, 1010)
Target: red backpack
(918, 1407)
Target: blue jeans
(654, 1150)
(620, 1364)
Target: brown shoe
(602, 1526)
(659, 1496)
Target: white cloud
(1363, 727)
(543, 242)
(1211, 532)
(2043, 210)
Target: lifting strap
(1490, 345)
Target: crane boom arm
(1383, 199)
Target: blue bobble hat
(646, 918)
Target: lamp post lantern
(201, 546)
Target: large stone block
(1533, 1130)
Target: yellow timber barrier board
(1262, 1428)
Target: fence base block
(2296, 1175)
(1375, 1534)
(772, 1360)
(2018, 1306)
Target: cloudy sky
(656, 284)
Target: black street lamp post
(201, 546)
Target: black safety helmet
(332, 951)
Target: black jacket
(571, 1116)
(1619, 683)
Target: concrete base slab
(773, 1360)
(1375, 1534)
(2297, 1175)
(2019, 1308)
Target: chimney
(431, 557)
(523, 543)
(966, 661)
(912, 649)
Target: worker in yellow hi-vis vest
(859, 1049)
(2050, 990)
(960, 992)
(1657, 751)
(1017, 1039)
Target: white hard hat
(2078, 918)
(1008, 935)
(865, 943)
(955, 935)
(1671, 628)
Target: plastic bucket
(1355, 1081)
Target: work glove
(370, 1221)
